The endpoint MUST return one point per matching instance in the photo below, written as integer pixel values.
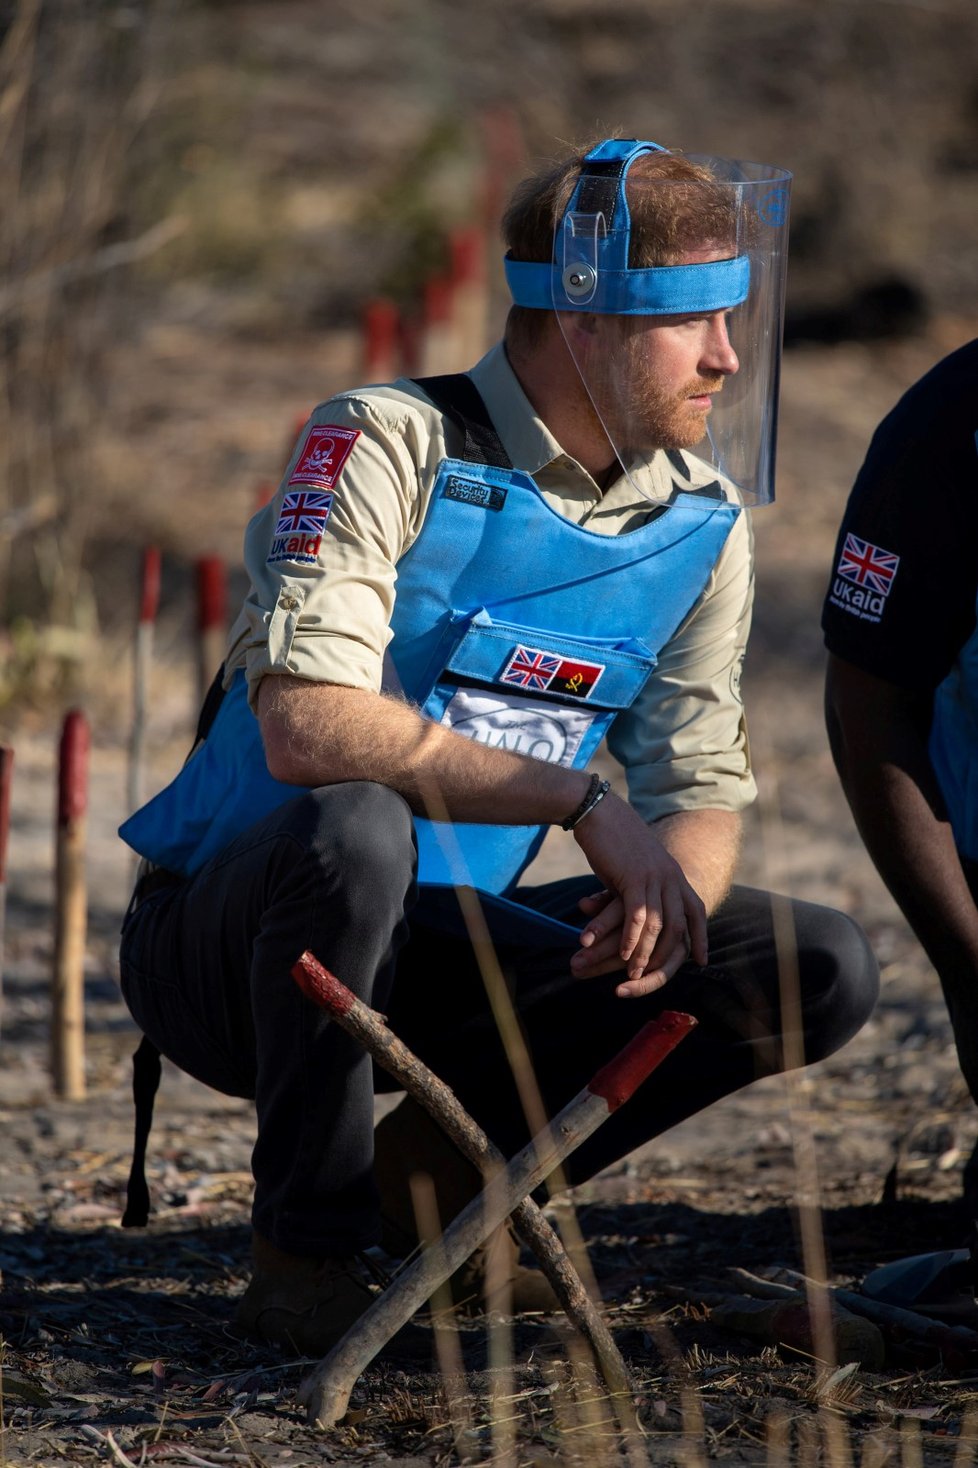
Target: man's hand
(661, 883)
(649, 920)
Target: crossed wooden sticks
(325, 1392)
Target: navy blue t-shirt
(901, 598)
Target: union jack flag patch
(304, 511)
(867, 565)
(539, 671)
(528, 667)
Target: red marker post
(149, 602)
(381, 327)
(436, 326)
(505, 154)
(71, 911)
(267, 488)
(410, 335)
(504, 159)
(211, 621)
(470, 295)
(326, 1392)
(6, 773)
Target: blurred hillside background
(200, 199)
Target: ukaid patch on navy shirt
(325, 451)
(540, 671)
(542, 730)
(863, 578)
(300, 525)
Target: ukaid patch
(325, 451)
(299, 529)
(863, 578)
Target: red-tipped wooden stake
(381, 327)
(470, 295)
(263, 493)
(211, 620)
(505, 154)
(436, 326)
(326, 1391)
(6, 773)
(149, 602)
(267, 488)
(410, 335)
(71, 912)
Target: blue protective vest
(954, 746)
(514, 626)
(954, 743)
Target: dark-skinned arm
(878, 733)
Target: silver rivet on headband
(579, 281)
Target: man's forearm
(879, 736)
(322, 734)
(913, 849)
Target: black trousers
(206, 963)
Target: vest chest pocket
(532, 691)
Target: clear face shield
(682, 356)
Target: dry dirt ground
(116, 1344)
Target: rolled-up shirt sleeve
(326, 615)
(683, 743)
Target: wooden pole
(504, 159)
(410, 334)
(470, 298)
(505, 155)
(381, 340)
(6, 771)
(436, 326)
(211, 620)
(326, 1391)
(263, 493)
(267, 488)
(149, 601)
(68, 980)
(413, 1076)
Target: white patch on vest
(542, 730)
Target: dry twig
(326, 1391)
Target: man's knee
(368, 825)
(347, 837)
(839, 977)
(359, 836)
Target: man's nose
(718, 354)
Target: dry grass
(69, 248)
(80, 87)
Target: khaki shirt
(683, 744)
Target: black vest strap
(213, 699)
(457, 396)
(146, 1065)
(146, 1070)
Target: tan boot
(307, 1304)
(407, 1141)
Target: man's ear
(589, 323)
(579, 326)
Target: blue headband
(591, 272)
